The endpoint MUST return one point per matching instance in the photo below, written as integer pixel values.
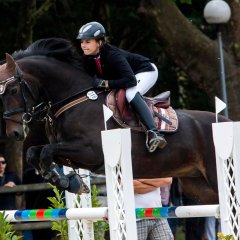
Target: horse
(47, 82)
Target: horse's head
(17, 98)
(49, 70)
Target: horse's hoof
(63, 182)
(76, 184)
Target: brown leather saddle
(164, 115)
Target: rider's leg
(145, 81)
(154, 138)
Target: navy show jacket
(118, 66)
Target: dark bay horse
(49, 71)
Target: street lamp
(218, 12)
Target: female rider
(115, 68)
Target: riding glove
(100, 83)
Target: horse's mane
(58, 48)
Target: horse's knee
(32, 155)
(46, 156)
(47, 152)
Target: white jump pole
(226, 136)
(102, 213)
(83, 226)
(119, 181)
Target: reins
(90, 95)
(69, 105)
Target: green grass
(180, 234)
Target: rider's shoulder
(110, 51)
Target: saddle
(164, 115)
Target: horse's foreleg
(50, 170)
(46, 170)
(33, 157)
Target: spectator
(212, 226)
(175, 200)
(194, 227)
(7, 179)
(165, 195)
(147, 195)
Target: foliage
(100, 226)
(227, 237)
(6, 231)
(57, 202)
(62, 227)
(124, 26)
(184, 1)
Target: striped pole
(101, 213)
(178, 212)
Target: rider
(115, 68)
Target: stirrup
(157, 141)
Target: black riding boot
(154, 138)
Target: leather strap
(69, 105)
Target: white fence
(227, 146)
(121, 210)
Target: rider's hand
(100, 83)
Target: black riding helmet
(91, 30)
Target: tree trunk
(25, 25)
(193, 51)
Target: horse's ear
(11, 65)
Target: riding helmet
(91, 30)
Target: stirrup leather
(156, 141)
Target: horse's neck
(59, 80)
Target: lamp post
(218, 12)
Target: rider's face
(90, 46)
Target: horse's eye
(13, 91)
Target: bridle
(41, 112)
(25, 90)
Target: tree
(29, 14)
(195, 52)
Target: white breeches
(145, 81)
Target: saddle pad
(135, 125)
(169, 114)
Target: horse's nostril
(17, 136)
